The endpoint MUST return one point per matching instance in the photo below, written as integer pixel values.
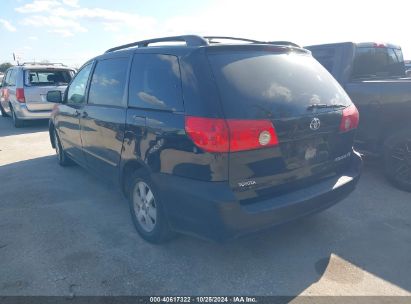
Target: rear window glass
(374, 62)
(267, 85)
(48, 77)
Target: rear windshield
(267, 85)
(381, 61)
(47, 77)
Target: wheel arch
(127, 169)
(392, 131)
(51, 134)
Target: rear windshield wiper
(324, 106)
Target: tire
(3, 113)
(397, 159)
(62, 157)
(147, 209)
(17, 122)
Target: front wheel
(62, 156)
(147, 210)
(397, 159)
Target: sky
(73, 31)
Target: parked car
(211, 139)
(373, 75)
(24, 90)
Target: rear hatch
(37, 82)
(304, 103)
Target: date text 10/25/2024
(203, 299)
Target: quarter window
(11, 77)
(155, 82)
(78, 86)
(108, 82)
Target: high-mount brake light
(379, 45)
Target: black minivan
(208, 138)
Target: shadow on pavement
(7, 128)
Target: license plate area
(306, 152)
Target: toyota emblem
(315, 124)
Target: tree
(4, 66)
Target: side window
(398, 52)
(155, 82)
(392, 57)
(78, 86)
(108, 82)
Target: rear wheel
(397, 159)
(147, 210)
(3, 113)
(62, 156)
(17, 122)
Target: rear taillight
(5, 94)
(20, 95)
(251, 134)
(231, 135)
(209, 134)
(350, 119)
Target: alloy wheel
(145, 208)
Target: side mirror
(54, 96)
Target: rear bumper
(25, 114)
(210, 209)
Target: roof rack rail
(285, 43)
(289, 43)
(211, 38)
(190, 40)
(42, 63)
(194, 40)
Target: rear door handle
(85, 114)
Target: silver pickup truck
(24, 89)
